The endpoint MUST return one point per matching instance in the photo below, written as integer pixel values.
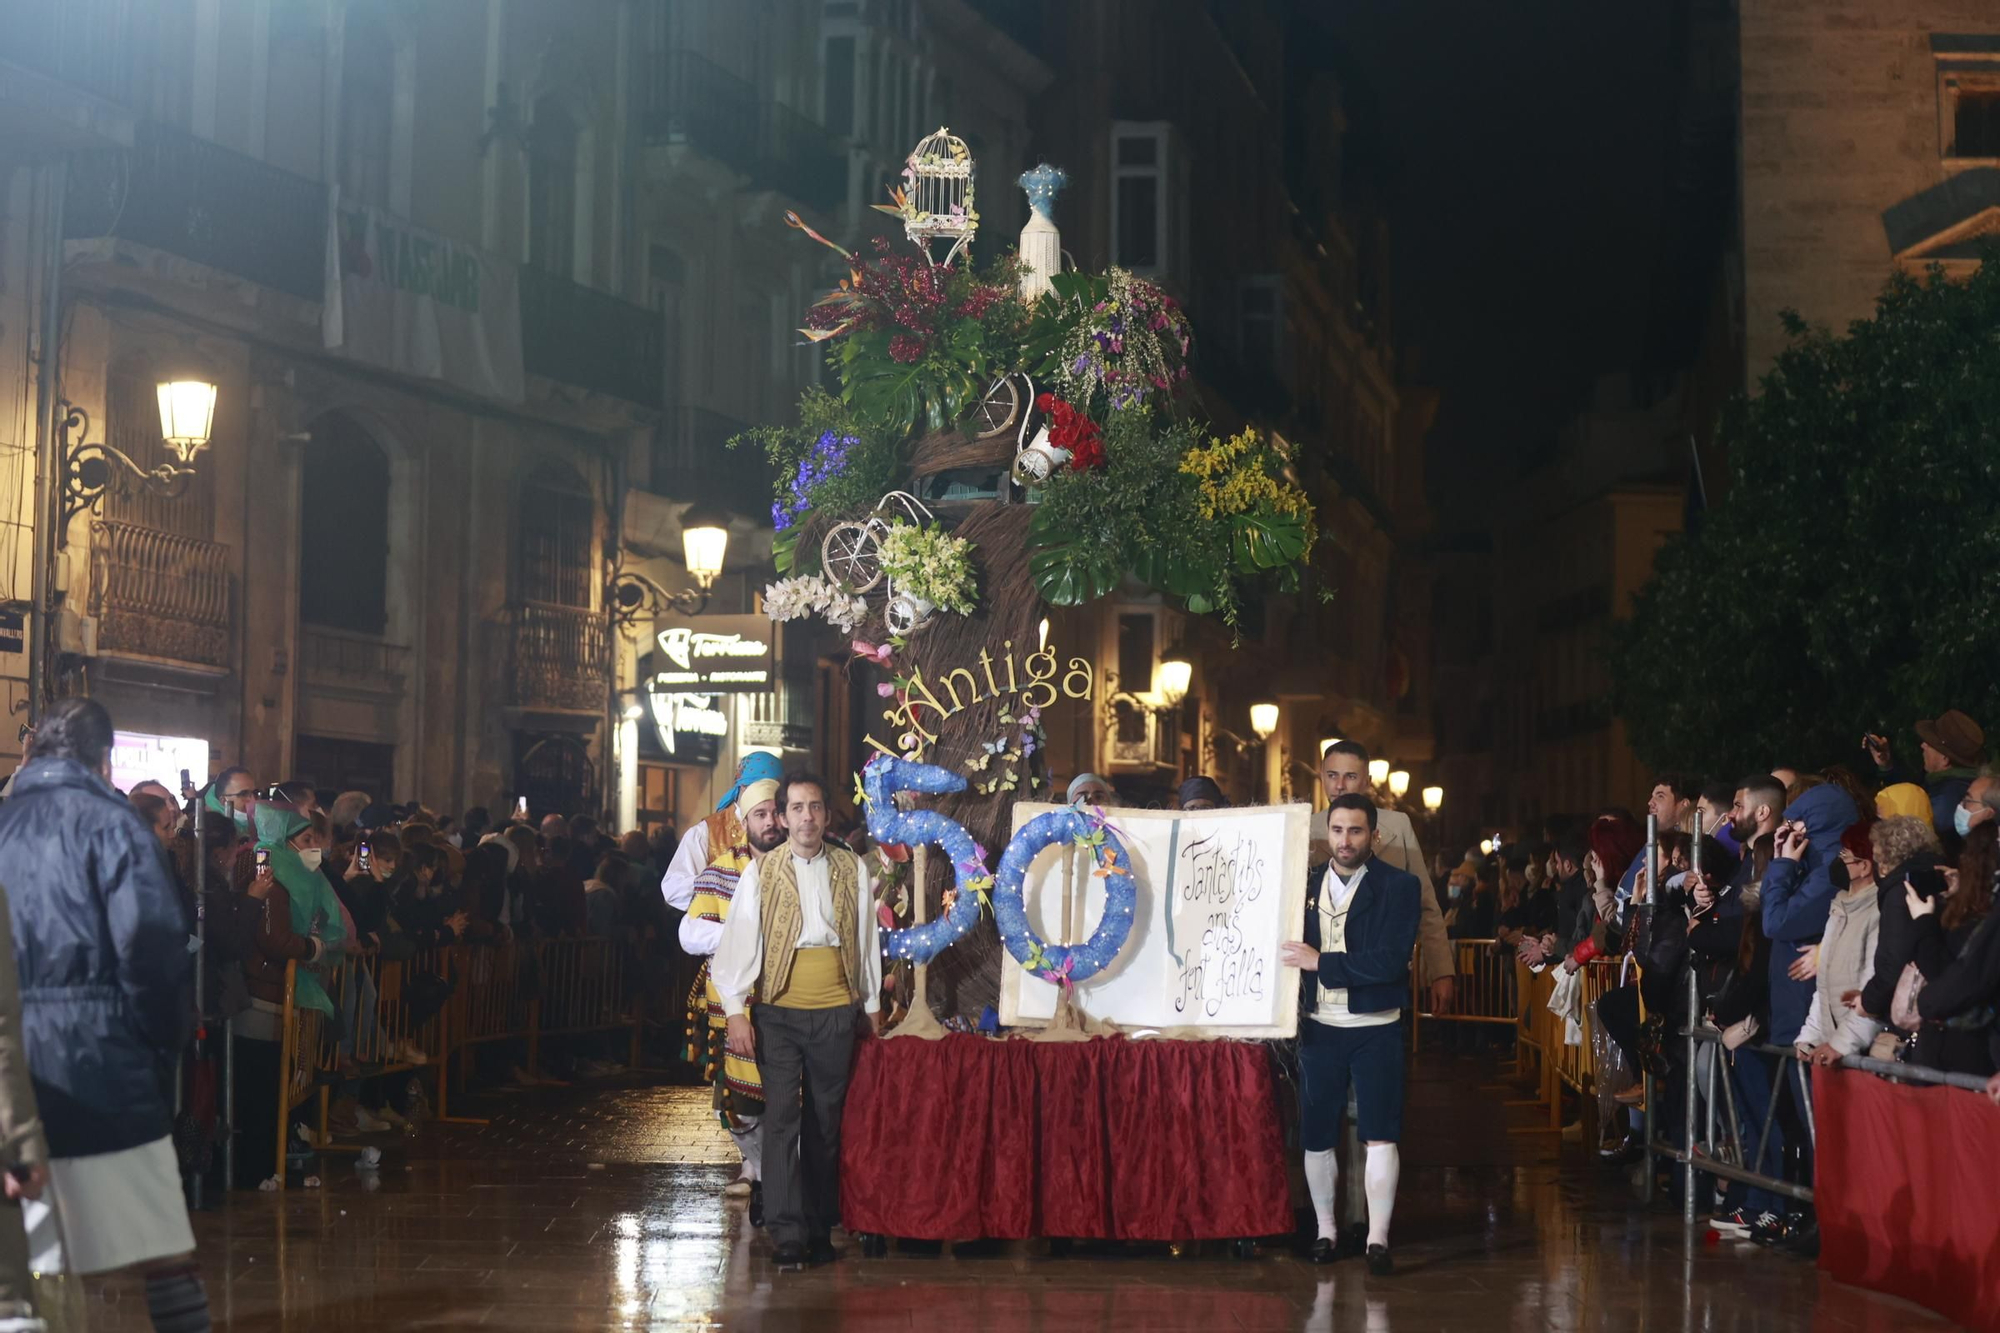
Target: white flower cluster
(814, 595)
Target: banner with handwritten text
(1219, 891)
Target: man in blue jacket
(101, 943)
(1797, 895)
(1362, 916)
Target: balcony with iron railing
(160, 595)
(356, 662)
(186, 196)
(692, 461)
(559, 658)
(693, 101)
(192, 198)
(782, 717)
(582, 336)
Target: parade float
(1005, 439)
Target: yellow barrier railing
(1485, 991)
(512, 990)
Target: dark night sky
(1525, 149)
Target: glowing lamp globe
(704, 543)
(187, 415)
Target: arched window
(557, 564)
(552, 161)
(344, 529)
(367, 105)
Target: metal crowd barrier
(510, 991)
(1486, 989)
(1724, 1157)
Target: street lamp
(1399, 783)
(1378, 771)
(1263, 720)
(187, 418)
(1433, 799)
(704, 543)
(1174, 676)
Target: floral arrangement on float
(1087, 372)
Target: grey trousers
(805, 1056)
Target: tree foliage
(1846, 581)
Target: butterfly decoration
(861, 799)
(1008, 781)
(1107, 864)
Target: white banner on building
(1219, 891)
(421, 304)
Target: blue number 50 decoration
(1063, 964)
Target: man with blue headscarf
(700, 884)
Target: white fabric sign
(422, 304)
(1219, 891)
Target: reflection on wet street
(600, 1208)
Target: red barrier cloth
(1907, 1185)
(967, 1138)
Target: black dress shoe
(1379, 1263)
(1325, 1250)
(820, 1250)
(874, 1246)
(789, 1254)
(756, 1203)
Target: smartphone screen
(263, 859)
(521, 808)
(364, 856)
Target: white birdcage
(938, 200)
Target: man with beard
(701, 883)
(1343, 772)
(1362, 916)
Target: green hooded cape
(315, 911)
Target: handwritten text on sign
(1219, 891)
(1222, 970)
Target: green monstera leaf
(1177, 571)
(784, 549)
(1266, 540)
(1069, 571)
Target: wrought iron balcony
(198, 200)
(559, 657)
(694, 101)
(692, 461)
(352, 661)
(158, 594)
(799, 158)
(582, 336)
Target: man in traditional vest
(800, 975)
(700, 883)
(1361, 924)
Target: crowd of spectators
(1827, 914)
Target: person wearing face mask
(100, 941)
(296, 848)
(1835, 1025)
